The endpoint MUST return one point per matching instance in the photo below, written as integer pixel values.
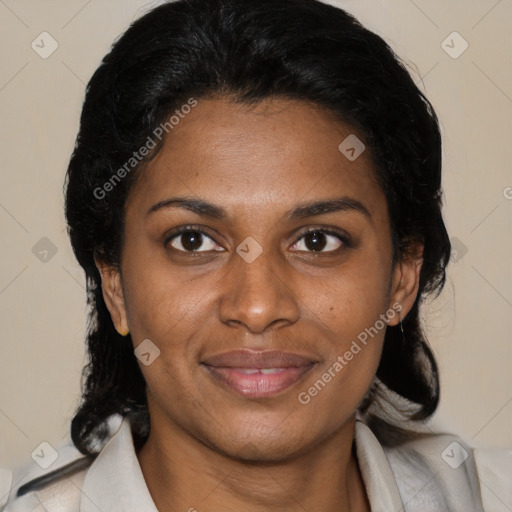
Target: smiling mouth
(258, 374)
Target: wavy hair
(249, 50)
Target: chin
(264, 451)
(271, 442)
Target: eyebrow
(198, 206)
(311, 209)
(340, 204)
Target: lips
(258, 374)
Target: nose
(256, 295)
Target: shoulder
(55, 487)
(440, 471)
(52, 489)
(495, 474)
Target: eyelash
(342, 237)
(186, 229)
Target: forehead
(276, 152)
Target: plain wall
(42, 304)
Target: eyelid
(341, 234)
(176, 232)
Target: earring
(124, 332)
(401, 328)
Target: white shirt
(427, 475)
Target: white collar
(376, 471)
(115, 482)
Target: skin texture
(210, 448)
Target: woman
(255, 198)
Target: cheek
(352, 350)
(160, 298)
(352, 308)
(353, 298)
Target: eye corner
(341, 236)
(175, 234)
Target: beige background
(42, 304)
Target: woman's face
(268, 311)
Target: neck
(182, 473)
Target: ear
(112, 288)
(405, 282)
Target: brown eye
(193, 241)
(318, 241)
(315, 241)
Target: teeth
(267, 371)
(264, 371)
(248, 371)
